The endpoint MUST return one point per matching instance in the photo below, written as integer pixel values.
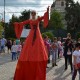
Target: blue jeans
(75, 73)
(2, 48)
(54, 56)
(13, 55)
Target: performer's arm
(19, 27)
(40, 18)
(45, 18)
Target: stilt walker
(33, 58)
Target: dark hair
(33, 12)
(77, 45)
(45, 36)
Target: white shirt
(77, 54)
(19, 48)
(14, 48)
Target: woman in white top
(76, 61)
(14, 50)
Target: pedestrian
(14, 50)
(47, 45)
(68, 48)
(9, 45)
(3, 43)
(19, 48)
(76, 61)
(60, 48)
(54, 51)
(33, 58)
(17, 41)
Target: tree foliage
(49, 34)
(56, 20)
(9, 29)
(72, 16)
(1, 29)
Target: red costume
(33, 59)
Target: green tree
(72, 17)
(49, 34)
(9, 29)
(1, 29)
(25, 15)
(56, 20)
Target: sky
(20, 5)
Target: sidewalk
(57, 73)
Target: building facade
(59, 5)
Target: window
(62, 3)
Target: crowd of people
(13, 46)
(56, 48)
(68, 49)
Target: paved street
(5, 58)
(7, 69)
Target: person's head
(55, 39)
(59, 38)
(33, 14)
(14, 43)
(45, 37)
(77, 46)
(69, 36)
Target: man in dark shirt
(68, 47)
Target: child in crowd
(60, 48)
(19, 48)
(76, 61)
(54, 52)
(14, 50)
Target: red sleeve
(46, 18)
(19, 27)
(40, 18)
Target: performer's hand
(48, 9)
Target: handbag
(69, 52)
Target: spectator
(3, 43)
(19, 48)
(17, 41)
(14, 50)
(47, 44)
(9, 44)
(76, 61)
(68, 47)
(54, 52)
(60, 48)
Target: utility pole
(4, 19)
(4, 11)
